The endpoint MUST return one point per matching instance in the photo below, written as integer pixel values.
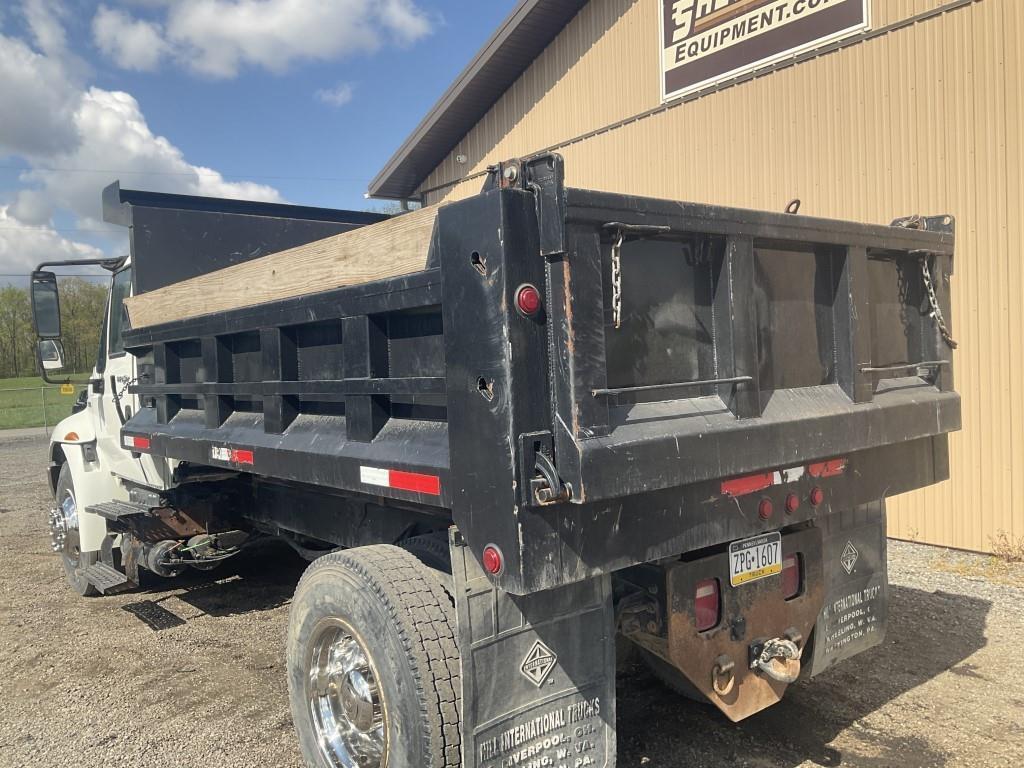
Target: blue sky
(286, 100)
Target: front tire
(64, 533)
(373, 666)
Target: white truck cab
(88, 462)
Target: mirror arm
(111, 265)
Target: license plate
(755, 558)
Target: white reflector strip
(705, 591)
(375, 476)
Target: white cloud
(338, 96)
(44, 19)
(405, 20)
(114, 134)
(32, 206)
(131, 43)
(38, 101)
(65, 131)
(23, 246)
(219, 37)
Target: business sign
(705, 41)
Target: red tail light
(493, 561)
(791, 576)
(528, 300)
(707, 606)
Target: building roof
(517, 42)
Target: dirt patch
(191, 671)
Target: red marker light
(528, 300)
(765, 509)
(792, 503)
(817, 496)
(493, 562)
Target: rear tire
(372, 654)
(74, 560)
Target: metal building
(863, 109)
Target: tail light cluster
(792, 576)
(707, 604)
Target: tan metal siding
(925, 119)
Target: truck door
(115, 370)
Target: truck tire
(64, 523)
(431, 549)
(373, 666)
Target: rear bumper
(662, 445)
(840, 611)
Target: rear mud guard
(853, 618)
(538, 671)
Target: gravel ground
(89, 682)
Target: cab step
(106, 579)
(118, 510)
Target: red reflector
(528, 299)
(492, 559)
(792, 503)
(741, 486)
(827, 468)
(765, 509)
(413, 481)
(791, 576)
(241, 456)
(706, 606)
(136, 443)
(817, 496)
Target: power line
(58, 274)
(49, 229)
(197, 172)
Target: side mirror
(51, 354)
(45, 305)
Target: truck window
(120, 290)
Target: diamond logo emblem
(538, 663)
(849, 557)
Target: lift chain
(617, 279)
(619, 230)
(933, 301)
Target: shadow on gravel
(929, 633)
(261, 578)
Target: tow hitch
(779, 658)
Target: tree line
(82, 304)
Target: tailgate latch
(541, 484)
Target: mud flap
(538, 671)
(854, 614)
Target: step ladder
(118, 510)
(106, 579)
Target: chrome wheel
(345, 700)
(64, 528)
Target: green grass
(24, 408)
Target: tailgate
(702, 342)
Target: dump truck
(514, 435)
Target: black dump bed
(683, 354)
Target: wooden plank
(390, 248)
